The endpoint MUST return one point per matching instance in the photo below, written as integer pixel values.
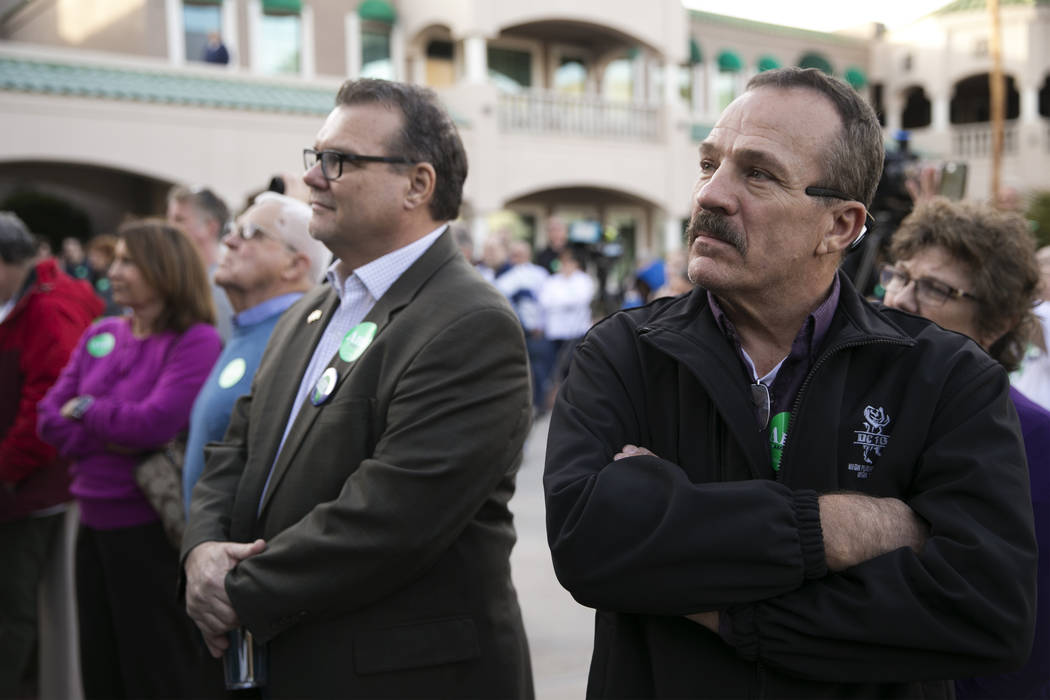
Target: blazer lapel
(296, 349)
(382, 314)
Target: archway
(971, 101)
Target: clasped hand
(207, 603)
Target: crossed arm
(856, 527)
(797, 577)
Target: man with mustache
(769, 486)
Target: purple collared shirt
(792, 370)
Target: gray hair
(296, 233)
(854, 159)
(16, 242)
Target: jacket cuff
(810, 534)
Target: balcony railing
(579, 115)
(975, 140)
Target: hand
(925, 186)
(858, 527)
(631, 451)
(707, 619)
(206, 600)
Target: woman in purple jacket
(972, 269)
(127, 390)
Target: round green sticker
(778, 427)
(101, 344)
(355, 341)
(232, 372)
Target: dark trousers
(25, 546)
(136, 640)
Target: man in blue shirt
(270, 260)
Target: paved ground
(559, 629)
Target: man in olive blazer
(357, 523)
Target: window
(440, 65)
(618, 80)
(571, 76)
(281, 43)
(509, 69)
(199, 21)
(375, 51)
(685, 83)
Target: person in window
(127, 391)
(215, 51)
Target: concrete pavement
(560, 630)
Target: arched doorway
(971, 101)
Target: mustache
(717, 226)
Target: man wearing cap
(202, 215)
(770, 487)
(355, 517)
(269, 261)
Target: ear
(298, 268)
(421, 181)
(847, 222)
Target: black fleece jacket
(893, 406)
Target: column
(255, 47)
(230, 36)
(308, 57)
(352, 28)
(1029, 104)
(475, 53)
(176, 32)
(940, 109)
(894, 107)
(672, 234)
(397, 52)
(670, 96)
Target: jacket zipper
(805, 384)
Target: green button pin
(101, 345)
(232, 372)
(778, 426)
(356, 340)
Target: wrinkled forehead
(272, 218)
(796, 125)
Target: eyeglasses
(332, 161)
(763, 402)
(928, 291)
(247, 231)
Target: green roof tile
(23, 75)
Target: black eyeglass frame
(949, 291)
(817, 191)
(340, 157)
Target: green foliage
(1038, 215)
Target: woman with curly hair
(972, 269)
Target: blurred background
(589, 111)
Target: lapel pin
(356, 340)
(323, 388)
(314, 315)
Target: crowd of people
(292, 435)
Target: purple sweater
(143, 389)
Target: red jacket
(36, 339)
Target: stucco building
(591, 109)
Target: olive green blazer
(387, 567)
